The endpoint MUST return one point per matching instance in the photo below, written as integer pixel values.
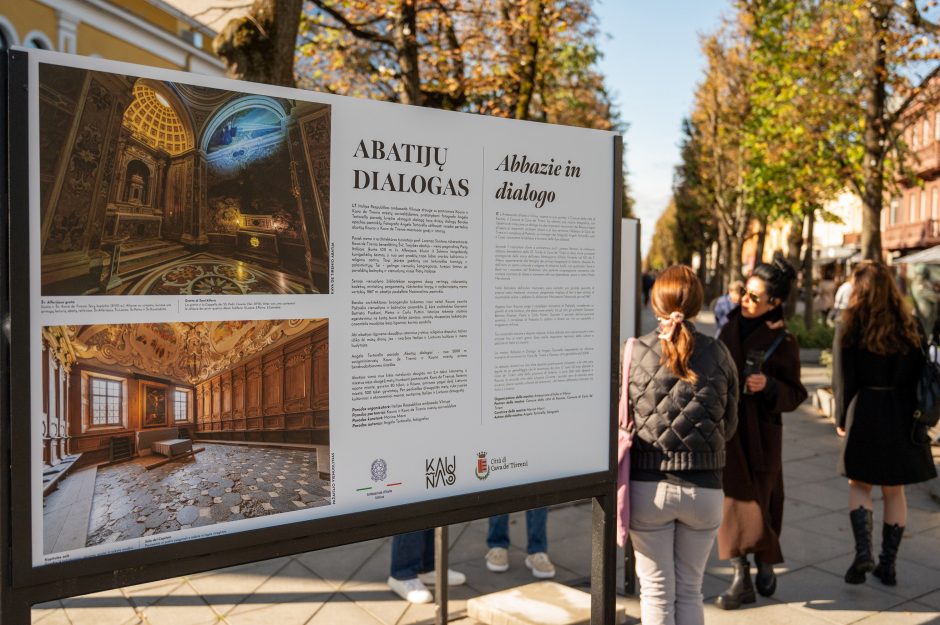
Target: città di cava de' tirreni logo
(440, 471)
(482, 470)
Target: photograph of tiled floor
(220, 484)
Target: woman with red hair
(877, 359)
(682, 394)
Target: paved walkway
(346, 584)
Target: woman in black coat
(753, 475)
(877, 360)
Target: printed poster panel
(254, 306)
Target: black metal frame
(22, 584)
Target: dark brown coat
(753, 475)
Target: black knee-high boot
(741, 589)
(890, 541)
(863, 562)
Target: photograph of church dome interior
(157, 188)
(153, 428)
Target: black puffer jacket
(682, 426)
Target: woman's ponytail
(677, 295)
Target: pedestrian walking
(648, 279)
(682, 391)
(726, 303)
(768, 362)
(537, 560)
(843, 294)
(877, 359)
(925, 294)
(412, 569)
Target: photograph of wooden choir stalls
(151, 428)
(158, 188)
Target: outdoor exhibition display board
(249, 320)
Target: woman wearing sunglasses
(768, 362)
(876, 361)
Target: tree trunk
(875, 131)
(260, 46)
(761, 238)
(794, 253)
(722, 260)
(735, 243)
(808, 271)
(528, 64)
(406, 43)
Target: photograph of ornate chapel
(152, 428)
(160, 188)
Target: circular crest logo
(379, 470)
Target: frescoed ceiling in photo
(188, 352)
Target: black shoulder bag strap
(773, 346)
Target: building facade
(148, 32)
(911, 220)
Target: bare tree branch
(917, 19)
(356, 30)
(912, 96)
(224, 9)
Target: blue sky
(652, 63)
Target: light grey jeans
(673, 529)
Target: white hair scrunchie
(669, 325)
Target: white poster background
(559, 429)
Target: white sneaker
(454, 578)
(497, 559)
(540, 565)
(412, 590)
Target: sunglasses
(751, 295)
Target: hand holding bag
(624, 441)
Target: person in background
(876, 362)
(925, 293)
(825, 298)
(537, 560)
(648, 279)
(726, 303)
(843, 293)
(682, 391)
(412, 567)
(768, 362)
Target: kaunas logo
(482, 470)
(440, 472)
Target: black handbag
(928, 392)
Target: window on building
(933, 203)
(181, 404)
(926, 132)
(915, 136)
(912, 208)
(923, 205)
(893, 217)
(107, 401)
(936, 126)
